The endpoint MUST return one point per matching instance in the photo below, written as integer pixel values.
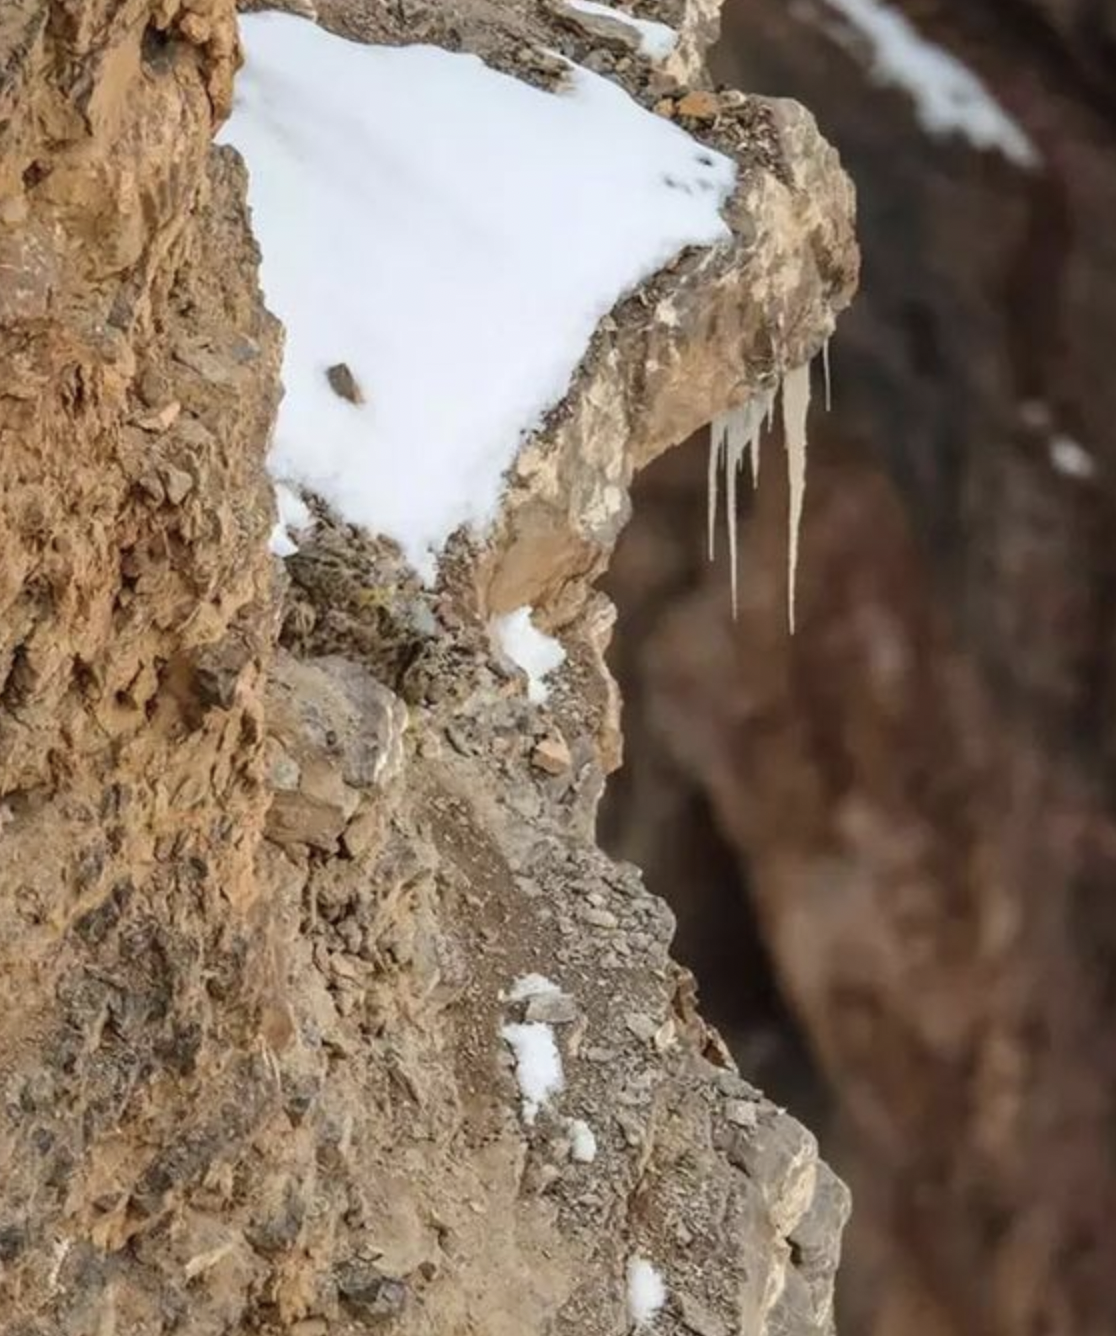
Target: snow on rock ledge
(474, 231)
(715, 326)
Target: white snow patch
(949, 99)
(532, 985)
(453, 236)
(294, 516)
(656, 40)
(538, 1064)
(646, 1291)
(583, 1141)
(530, 649)
(1071, 459)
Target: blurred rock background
(891, 841)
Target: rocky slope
(276, 844)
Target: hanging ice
(737, 433)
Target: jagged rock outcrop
(275, 846)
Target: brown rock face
(919, 786)
(137, 386)
(275, 849)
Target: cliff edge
(320, 1010)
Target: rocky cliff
(277, 843)
(917, 792)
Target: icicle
(717, 437)
(796, 404)
(765, 408)
(828, 381)
(732, 436)
(731, 467)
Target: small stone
(366, 1289)
(196, 28)
(151, 484)
(14, 210)
(283, 771)
(666, 1035)
(598, 918)
(310, 1326)
(13, 1240)
(741, 1113)
(699, 1319)
(641, 1025)
(631, 1127)
(177, 482)
(732, 1083)
(343, 967)
(245, 350)
(600, 62)
(211, 366)
(344, 384)
(551, 1009)
(361, 831)
(540, 1176)
(700, 105)
(193, 433)
(526, 801)
(161, 419)
(552, 755)
(664, 107)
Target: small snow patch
(948, 97)
(656, 40)
(583, 1141)
(532, 985)
(1071, 459)
(294, 515)
(453, 236)
(538, 1065)
(528, 648)
(646, 1291)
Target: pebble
(598, 918)
(551, 1008)
(177, 483)
(700, 105)
(631, 1128)
(741, 1113)
(344, 384)
(552, 755)
(641, 1025)
(698, 1319)
(152, 387)
(161, 419)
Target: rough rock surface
(918, 788)
(275, 846)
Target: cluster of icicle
(737, 433)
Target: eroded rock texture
(919, 787)
(275, 845)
